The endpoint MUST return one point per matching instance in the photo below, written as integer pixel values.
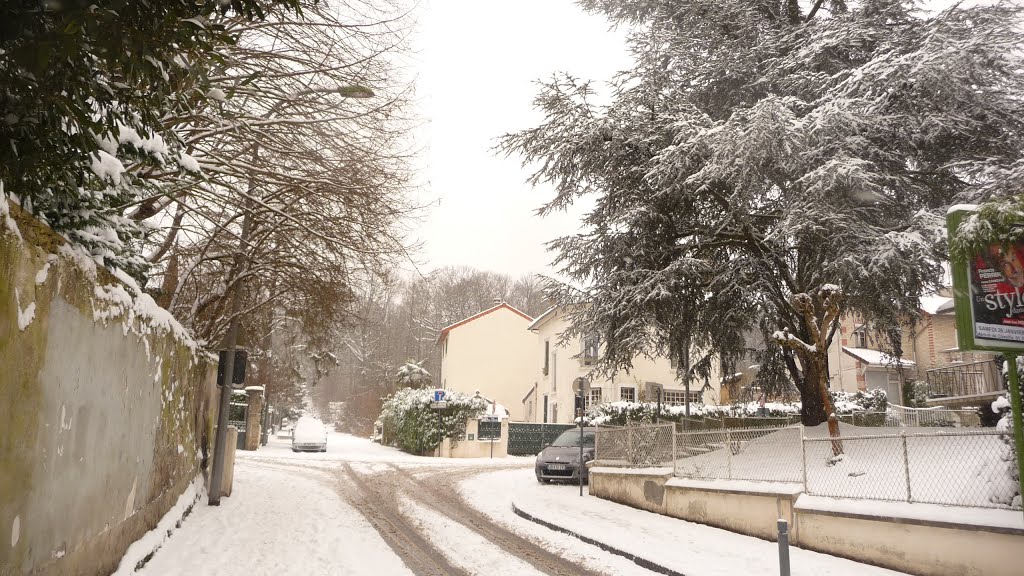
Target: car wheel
(294, 449)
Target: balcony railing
(971, 379)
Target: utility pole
(231, 343)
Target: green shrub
(411, 424)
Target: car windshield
(572, 438)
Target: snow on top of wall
(114, 301)
(962, 208)
(5, 213)
(982, 517)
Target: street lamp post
(220, 445)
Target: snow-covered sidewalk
(684, 547)
(277, 522)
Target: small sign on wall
(489, 428)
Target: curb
(642, 562)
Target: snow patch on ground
(463, 547)
(155, 538)
(691, 549)
(276, 522)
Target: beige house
(930, 353)
(490, 353)
(557, 366)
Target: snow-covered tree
(87, 87)
(776, 162)
(413, 375)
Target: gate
(529, 438)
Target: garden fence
(933, 417)
(956, 467)
(634, 446)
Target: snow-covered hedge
(619, 413)
(1000, 490)
(410, 423)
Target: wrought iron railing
(964, 380)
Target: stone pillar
(253, 417)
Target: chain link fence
(760, 454)
(635, 446)
(955, 467)
(961, 468)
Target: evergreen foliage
(772, 166)
(411, 424)
(87, 87)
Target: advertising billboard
(988, 288)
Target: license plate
(556, 466)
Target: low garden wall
(925, 539)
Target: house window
(591, 344)
(860, 338)
(594, 398)
(672, 362)
(678, 397)
(627, 393)
(554, 413)
(554, 373)
(547, 356)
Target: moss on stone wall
(181, 385)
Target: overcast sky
(477, 63)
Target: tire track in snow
(378, 503)
(437, 492)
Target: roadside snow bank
(142, 550)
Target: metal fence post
(803, 450)
(673, 450)
(783, 548)
(906, 462)
(728, 448)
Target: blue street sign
(439, 395)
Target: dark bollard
(783, 548)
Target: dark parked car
(561, 460)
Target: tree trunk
(816, 401)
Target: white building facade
(551, 398)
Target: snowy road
(362, 508)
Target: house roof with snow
(877, 357)
(444, 331)
(543, 318)
(934, 304)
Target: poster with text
(997, 292)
